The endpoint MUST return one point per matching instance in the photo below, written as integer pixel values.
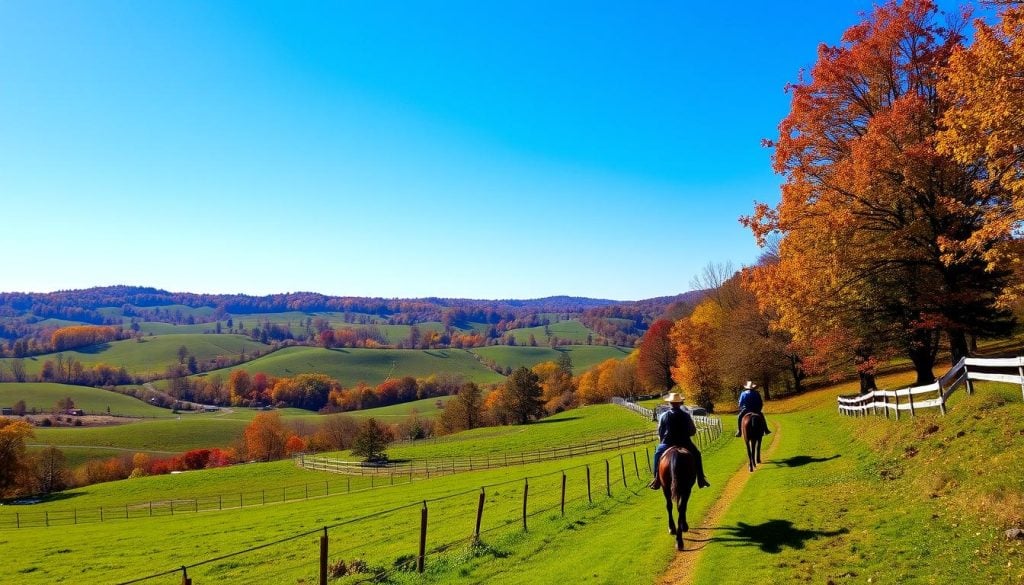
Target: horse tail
(672, 473)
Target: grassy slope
(153, 354)
(846, 500)
(92, 400)
(571, 329)
(583, 357)
(373, 366)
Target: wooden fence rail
(935, 395)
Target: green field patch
(152, 355)
(583, 357)
(44, 396)
(571, 329)
(190, 431)
(373, 366)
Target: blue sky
(395, 149)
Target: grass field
(571, 329)
(44, 396)
(373, 366)
(583, 357)
(840, 500)
(152, 355)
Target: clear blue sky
(396, 149)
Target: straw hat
(674, 398)
(749, 385)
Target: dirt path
(680, 572)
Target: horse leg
(668, 505)
(750, 455)
(759, 450)
(684, 526)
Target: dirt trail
(680, 572)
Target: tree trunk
(922, 353)
(765, 385)
(797, 373)
(958, 347)
(867, 382)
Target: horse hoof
(680, 547)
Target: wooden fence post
(563, 493)
(636, 466)
(896, 396)
(607, 477)
(910, 397)
(423, 538)
(589, 497)
(647, 453)
(184, 576)
(885, 402)
(323, 558)
(622, 463)
(1020, 372)
(479, 515)
(942, 402)
(526, 493)
(967, 380)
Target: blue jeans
(658, 451)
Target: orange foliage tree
(871, 212)
(985, 126)
(265, 437)
(657, 356)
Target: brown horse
(752, 430)
(677, 471)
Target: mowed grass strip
(583, 357)
(373, 366)
(44, 396)
(853, 500)
(152, 355)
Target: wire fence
(408, 538)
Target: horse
(752, 430)
(677, 471)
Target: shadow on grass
(548, 421)
(801, 460)
(98, 348)
(772, 536)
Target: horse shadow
(772, 536)
(801, 460)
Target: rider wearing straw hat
(675, 427)
(750, 401)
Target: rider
(750, 401)
(675, 427)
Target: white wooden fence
(709, 422)
(935, 395)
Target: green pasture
(160, 328)
(43, 397)
(191, 431)
(372, 366)
(571, 329)
(151, 355)
(583, 357)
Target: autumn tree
(49, 469)
(239, 387)
(871, 214)
(657, 357)
(372, 440)
(266, 437)
(984, 126)
(522, 396)
(336, 433)
(13, 434)
(464, 411)
(697, 370)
